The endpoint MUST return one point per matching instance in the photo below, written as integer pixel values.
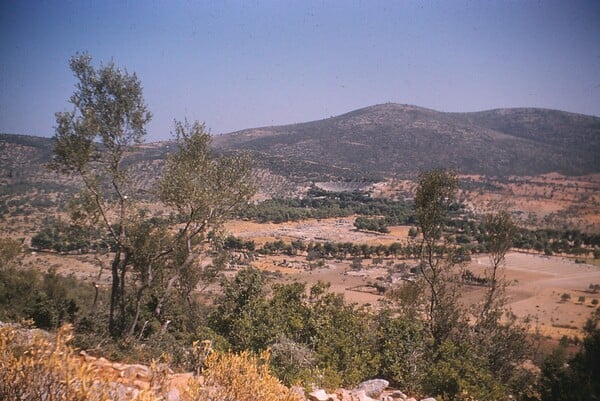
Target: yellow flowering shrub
(240, 377)
(37, 366)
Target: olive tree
(92, 141)
(435, 192)
(499, 232)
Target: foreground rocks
(370, 390)
(130, 380)
(35, 361)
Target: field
(546, 200)
(536, 282)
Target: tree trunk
(116, 322)
(114, 294)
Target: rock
(343, 394)
(180, 381)
(173, 395)
(298, 390)
(141, 384)
(428, 399)
(135, 371)
(373, 388)
(398, 395)
(411, 399)
(321, 395)
(361, 395)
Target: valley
(331, 238)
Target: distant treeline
(320, 204)
(464, 230)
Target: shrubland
(422, 339)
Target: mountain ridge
(404, 139)
(379, 141)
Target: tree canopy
(92, 141)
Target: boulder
(343, 394)
(321, 395)
(361, 395)
(173, 395)
(299, 391)
(373, 388)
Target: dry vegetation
(37, 366)
(536, 281)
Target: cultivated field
(536, 282)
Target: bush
(379, 225)
(35, 368)
(240, 377)
(460, 374)
(48, 298)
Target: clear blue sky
(243, 64)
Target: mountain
(366, 145)
(394, 139)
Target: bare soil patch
(322, 230)
(536, 284)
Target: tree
(108, 107)
(565, 297)
(579, 379)
(435, 192)
(10, 249)
(499, 232)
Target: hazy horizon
(242, 65)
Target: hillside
(381, 140)
(368, 144)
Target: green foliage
(435, 193)
(404, 348)
(48, 298)
(379, 225)
(10, 250)
(62, 237)
(577, 378)
(339, 335)
(498, 237)
(239, 311)
(434, 196)
(460, 374)
(151, 263)
(321, 204)
(343, 338)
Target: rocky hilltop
(394, 139)
(370, 144)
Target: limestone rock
(298, 391)
(321, 395)
(343, 394)
(173, 395)
(361, 395)
(373, 388)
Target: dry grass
(36, 366)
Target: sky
(245, 64)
